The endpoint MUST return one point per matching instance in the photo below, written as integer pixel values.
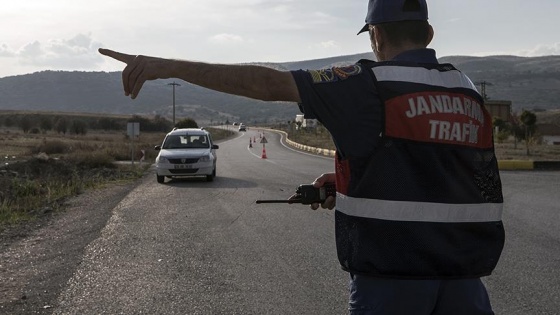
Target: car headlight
(162, 159)
(204, 158)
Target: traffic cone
(263, 156)
(250, 143)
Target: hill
(529, 82)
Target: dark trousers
(369, 296)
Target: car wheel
(211, 177)
(160, 179)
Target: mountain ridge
(529, 82)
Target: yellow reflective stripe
(418, 211)
(447, 79)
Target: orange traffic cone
(263, 156)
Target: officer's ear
(376, 37)
(430, 35)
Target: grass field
(39, 171)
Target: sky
(39, 35)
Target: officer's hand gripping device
(307, 194)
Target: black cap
(383, 11)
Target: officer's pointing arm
(245, 80)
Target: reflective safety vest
(428, 203)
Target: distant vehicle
(234, 123)
(186, 152)
(242, 127)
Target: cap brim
(364, 29)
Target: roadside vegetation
(42, 166)
(47, 158)
(518, 139)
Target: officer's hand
(330, 202)
(138, 70)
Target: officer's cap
(383, 11)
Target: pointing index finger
(116, 55)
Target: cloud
(77, 53)
(31, 52)
(225, 38)
(542, 50)
(6, 51)
(329, 44)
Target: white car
(242, 127)
(186, 152)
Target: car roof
(190, 131)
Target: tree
(501, 124)
(106, 123)
(529, 120)
(157, 124)
(61, 126)
(161, 124)
(502, 129)
(46, 124)
(8, 122)
(78, 127)
(186, 123)
(25, 124)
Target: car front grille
(186, 161)
(184, 171)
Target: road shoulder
(38, 258)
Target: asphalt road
(527, 278)
(196, 247)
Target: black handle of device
(307, 194)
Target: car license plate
(182, 166)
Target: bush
(121, 153)
(502, 135)
(53, 147)
(92, 160)
(186, 123)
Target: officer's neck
(388, 52)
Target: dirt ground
(519, 151)
(37, 258)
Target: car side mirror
(157, 147)
(215, 146)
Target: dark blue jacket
(422, 198)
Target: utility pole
(483, 85)
(174, 85)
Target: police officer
(419, 200)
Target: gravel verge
(37, 258)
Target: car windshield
(186, 142)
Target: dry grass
(40, 171)
(507, 150)
(537, 152)
(17, 145)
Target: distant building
(550, 133)
(499, 109)
(305, 123)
